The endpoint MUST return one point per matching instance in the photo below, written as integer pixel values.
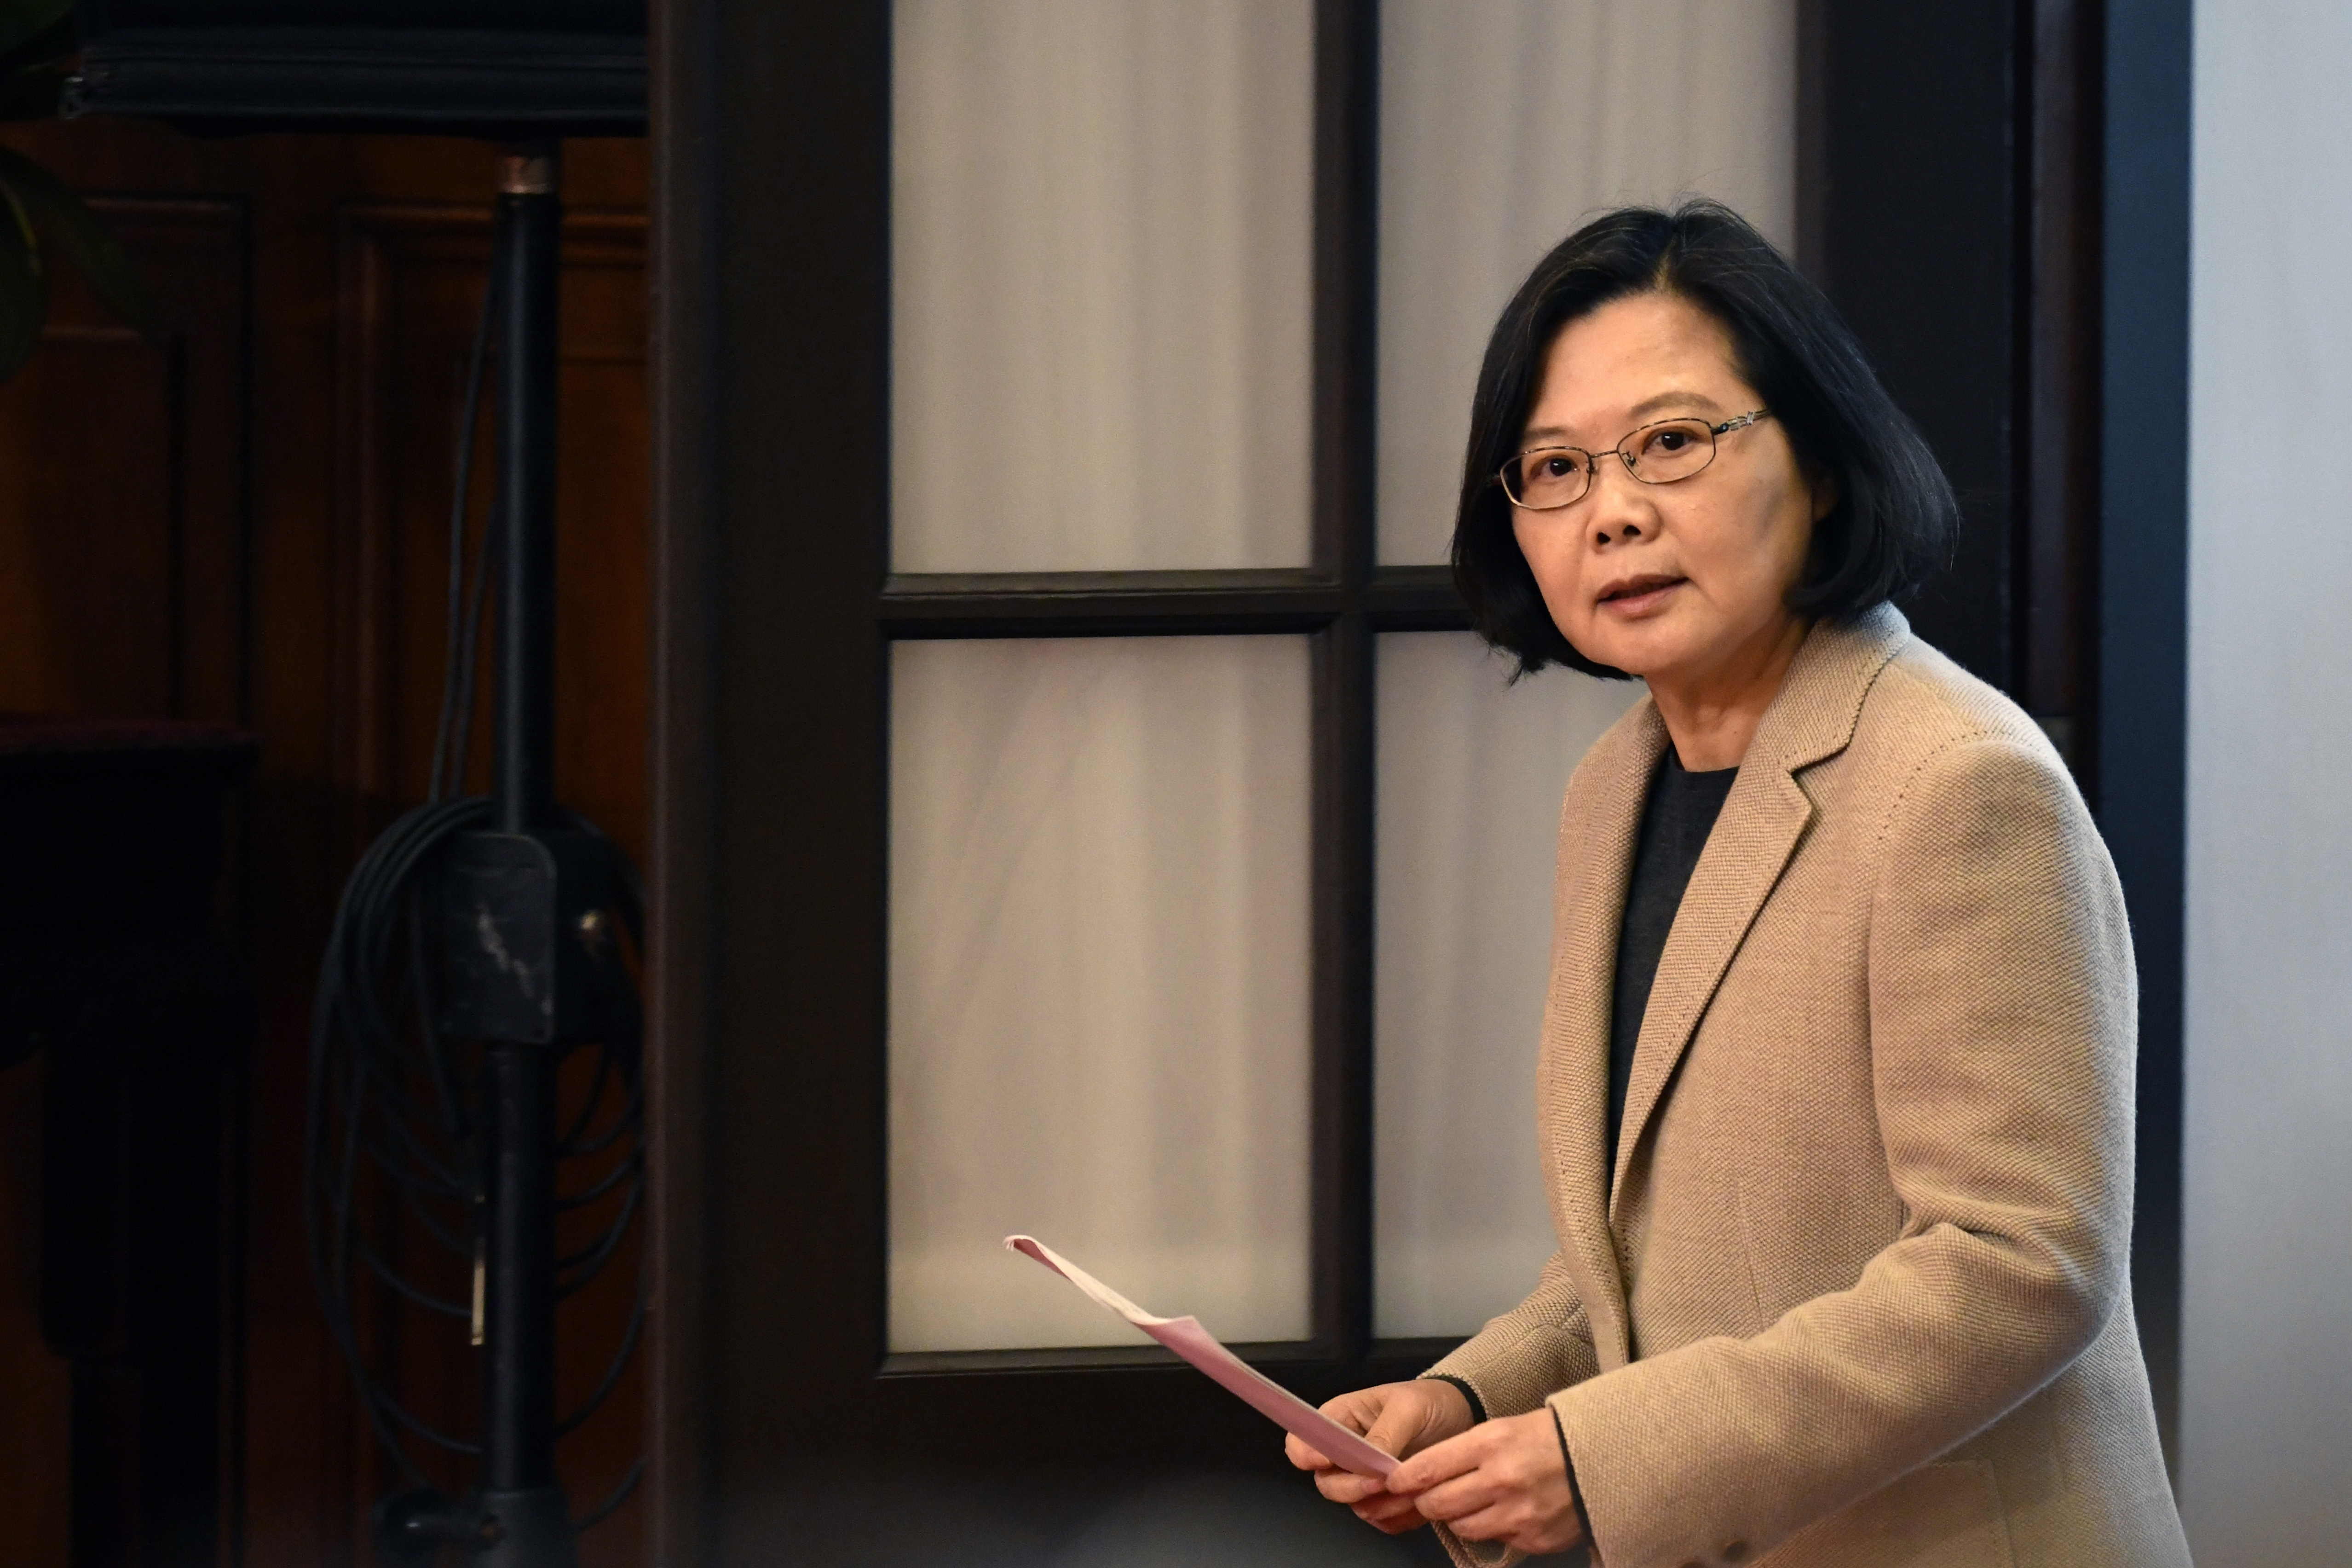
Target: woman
(1836, 1101)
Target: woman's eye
(1557, 468)
(1671, 440)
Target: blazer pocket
(1944, 1515)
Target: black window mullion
(1107, 604)
(1414, 599)
(1346, 189)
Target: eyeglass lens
(1657, 454)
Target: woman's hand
(1397, 1418)
(1503, 1480)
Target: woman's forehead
(1646, 356)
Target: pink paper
(1188, 1339)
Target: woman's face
(1674, 581)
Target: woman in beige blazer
(1849, 1288)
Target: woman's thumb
(1400, 1421)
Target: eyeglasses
(1545, 479)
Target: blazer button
(1735, 1552)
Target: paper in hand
(1188, 1339)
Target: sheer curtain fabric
(1100, 1000)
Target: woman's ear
(1825, 491)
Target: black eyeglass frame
(1632, 466)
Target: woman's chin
(1638, 651)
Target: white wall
(2266, 1390)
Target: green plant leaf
(23, 288)
(22, 21)
(56, 212)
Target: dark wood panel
(687, 396)
(258, 509)
(34, 1455)
(2059, 403)
(1912, 226)
(413, 287)
(121, 485)
(88, 462)
(121, 534)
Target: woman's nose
(1621, 512)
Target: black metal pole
(518, 1301)
(529, 1523)
(528, 208)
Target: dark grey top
(1676, 820)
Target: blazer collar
(1602, 824)
(1764, 819)
(1821, 700)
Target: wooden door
(786, 1410)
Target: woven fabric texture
(1859, 1298)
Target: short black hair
(1895, 518)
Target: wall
(2266, 1387)
(246, 522)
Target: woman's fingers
(1515, 1524)
(1393, 1418)
(1441, 1461)
(1389, 1512)
(1459, 1497)
(1400, 1421)
(1504, 1481)
(1486, 1524)
(1346, 1485)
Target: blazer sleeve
(2002, 1032)
(1540, 1346)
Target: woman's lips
(1637, 596)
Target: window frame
(1340, 601)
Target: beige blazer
(1859, 1297)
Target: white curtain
(1101, 251)
(1100, 1000)
(1471, 770)
(1506, 123)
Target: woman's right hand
(1400, 1418)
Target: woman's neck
(1712, 715)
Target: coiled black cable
(392, 1099)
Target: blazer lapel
(1763, 821)
(1761, 824)
(1605, 811)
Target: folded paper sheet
(1188, 1339)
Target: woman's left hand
(1504, 1480)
